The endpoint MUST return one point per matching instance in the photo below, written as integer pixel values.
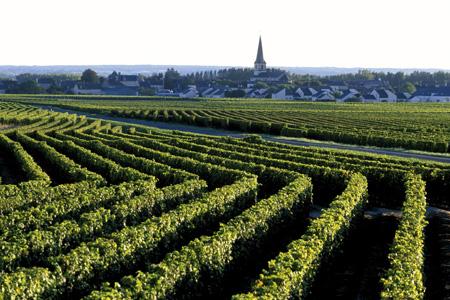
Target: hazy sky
(314, 33)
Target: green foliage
(70, 169)
(179, 214)
(285, 276)
(89, 76)
(29, 167)
(404, 279)
(127, 247)
(418, 126)
(129, 209)
(208, 258)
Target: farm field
(95, 210)
(419, 126)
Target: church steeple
(260, 64)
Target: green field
(99, 210)
(420, 126)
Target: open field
(420, 126)
(90, 209)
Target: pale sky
(303, 33)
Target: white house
(258, 93)
(282, 95)
(87, 89)
(348, 95)
(207, 91)
(324, 95)
(441, 94)
(305, 93)
(190, 92)
(217, 93)
(384, 95)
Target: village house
(283, 94)
(403, 96)
(257, 93)
(304, 93)
(213, 92)
(125, 80)
(190, 92)
(122, 91)
(87, 89)
(384, 95)
(324, 95)
(369, 98)
(336, 85)
(166, 93)
(433, 94)
(349, 95)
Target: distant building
(283, 94)
(260, 63)
(258, 93)
(204, 92)
(190, 92)
(166, 93)
(324, 95)
(68, 85)
(337, 85)
(433, 94)
(261, 73)
(369, 98)
(88, 89)
(45, 83)
(122, 91)
(403, 96)
(384, 95)
(305, 93)
(126, 80)
(349, 95)
(213, 92)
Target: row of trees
(235, 78)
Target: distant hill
(9, 71)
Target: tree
(89, 76)
(54, 89)
(235, 94)
(409, 87)
(147, 92)
(27, 87)
(261, 85)
(365, 74)
(171, 79)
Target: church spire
(260, 64)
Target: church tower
(260, 64)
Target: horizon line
(225, 66)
